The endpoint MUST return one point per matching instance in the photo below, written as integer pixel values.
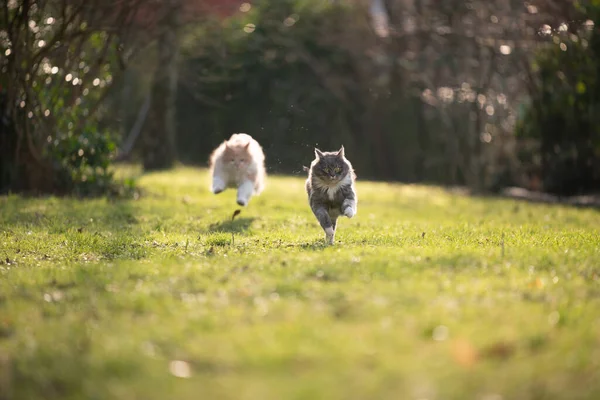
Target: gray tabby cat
(330, 188)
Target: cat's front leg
(219, 181)
(218, 185)
(349, 207)
(325, 220)
(245, 191)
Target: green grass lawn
(426, 295)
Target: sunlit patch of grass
(427, 294)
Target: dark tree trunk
(159, 137)
(22, 169)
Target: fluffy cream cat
(238, 163)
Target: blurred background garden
(153, 288)
(485, 94)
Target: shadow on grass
(52, 213)
(316, 245)
(239, 225)
(68, 229)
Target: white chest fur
(331, 189)
(235, 176)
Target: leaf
(537, 283)
(499, 350)
(581, 88)
(464, 353)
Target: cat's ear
(247, 146)
(318, 153)
(341, 153)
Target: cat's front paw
(329, 236)
(218, 186)
(243, 200)
(349, 212)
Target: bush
(52, 89)
(564, 113)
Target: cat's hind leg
(245, 191)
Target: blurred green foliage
(564, 113)
(55, 81)
(274, 72)
(84, 160)
(81, 148)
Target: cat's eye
(338, 170)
